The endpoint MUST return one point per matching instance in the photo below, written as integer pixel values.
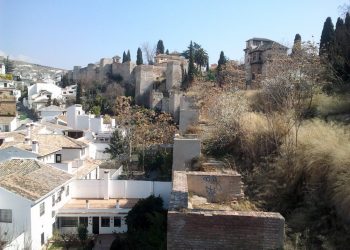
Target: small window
(105, 222)
(53, 200)
(117, 222)
(42, 239)
(67, 190)
(6, 215)
(83, 221)
(42, 208)
(58, 158)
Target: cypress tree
(167, 52)
(128, 57)
(9, 67)
(297, 44)
(191, 68)
(160, 47)
(124, 57)
(78, 94)
(327, 37)
(139, 59)
(222, 60)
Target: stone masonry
(217, 229)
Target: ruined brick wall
(225, 230)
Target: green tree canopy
(117, 145)
(9, 66)
(147, 224)
(191, 68)
(160, 47)
(128, 56)
(78, 94)
(327, 37)
(124, 57)
(139, 59)
(222, 60)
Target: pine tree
(327, 37)
(78, 94)
(117, 145)
(124, 57)
(139, 59)
(191, 68)
(167, 52)
(128, 57)
(160, 47)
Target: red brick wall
(225, 230)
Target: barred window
(6, 215)
(105, 222)
(42, 208)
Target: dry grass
(329, 105)
(324, 152)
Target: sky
(64, 33)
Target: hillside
(34, 72)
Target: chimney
(28, 134)
(106, 185)
(31, 129)
(35, 146)
(27, 140)
(117, 205)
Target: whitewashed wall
(121, 189)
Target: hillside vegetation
(291, 142)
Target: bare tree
(149, 51)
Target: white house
(2, 69)
(77, 119)
(31, 192)
(39, 94)
(8, 123)
(36, 198)
(50, 112)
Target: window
(83, 221)
(69, 221)
(105, 221)
(67, 190)
(42, 239)
(117, 222)
(42, 208)
(58, 158)
(6, 215)
(53, 200)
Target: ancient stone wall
(125, 70)
(184, 150)
(216, 187)
(174, 105)
(188, 117)
(224, 230)
(156, 98)
(173, 76)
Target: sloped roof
(48, 144)
(30, 178)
